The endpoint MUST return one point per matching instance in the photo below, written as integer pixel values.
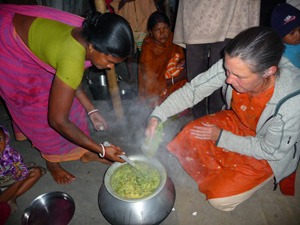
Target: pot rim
(136, 158)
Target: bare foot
(90, 156)
(60, 175)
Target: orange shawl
(153, 62)
(220, 172)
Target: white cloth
(209, 21)
(295, 3)
(229, 203)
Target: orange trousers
(219, 172)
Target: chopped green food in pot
(128, 182)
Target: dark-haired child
(12, 167)
(285, 21)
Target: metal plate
(53, 208)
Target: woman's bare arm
(97, 120)
(60, 102)
(84, 100)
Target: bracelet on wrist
(92, 111)
(103, 151)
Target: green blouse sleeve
(53, 43)
(70, 64)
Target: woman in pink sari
(43, 55)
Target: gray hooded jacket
(278, 130)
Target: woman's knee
(223, 204)
(229, 203)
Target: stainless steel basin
(53, 208)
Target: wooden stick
(114, 93)
(100, 5)
(111, 74)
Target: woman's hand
(206, 132)
(95, 117)
(181, 63)
(182, 76)
(112, 153)
(152, 125)
(98, 121)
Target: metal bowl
(152, 209)
(53, 208)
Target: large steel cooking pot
(152, 209)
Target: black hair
(109, 33)
(259, 47)
(157, 17)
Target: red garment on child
(4, 212)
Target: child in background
(12, 167)
(285, 21)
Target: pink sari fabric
(25, 83)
